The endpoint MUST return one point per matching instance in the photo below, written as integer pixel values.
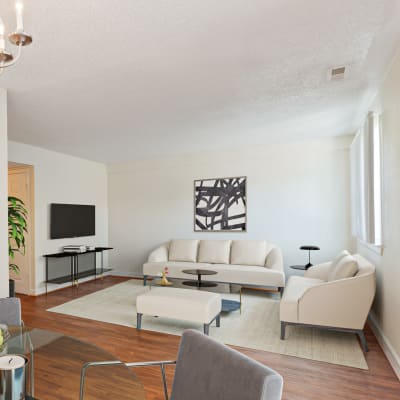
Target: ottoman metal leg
(206, 329)
(218, 320)
(283, 329)
(139, 321)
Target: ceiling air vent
(337, 73)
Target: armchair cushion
(346, 267)
(183, 250)
(342, 254)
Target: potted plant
(17, 227)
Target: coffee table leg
(218, 320)
(206, 329)
(199, 280)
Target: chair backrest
(207, 369)
(365, 267)
(10, 311)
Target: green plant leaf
(17, 227)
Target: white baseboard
(53, 287)
(390, 352)
(126, 274)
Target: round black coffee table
(199, 273)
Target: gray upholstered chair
(207, 369)
(10, 311)
(10, 315)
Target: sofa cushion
(346, 267)
(183, 250)
(214, 251)
(249, 252)
(247, 275)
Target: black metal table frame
(74, 264)
(199, 283)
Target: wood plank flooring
(303, 379)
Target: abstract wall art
(220, 205)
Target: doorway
(21, 185)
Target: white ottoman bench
(184, 304)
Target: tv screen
(72, 220)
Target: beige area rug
(258, 326)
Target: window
(366, 192)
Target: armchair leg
(283, 330)
(363, 340)
(206, 329)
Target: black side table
(310, 249)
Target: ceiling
(120, 80)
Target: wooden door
(20, 184)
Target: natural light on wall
(366, 170)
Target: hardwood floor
(303, 379)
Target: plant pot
(11, 287)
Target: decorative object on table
(220, 205)
(17, 38)
(164, 281)
(17, 227)
(13, 376)
(309, 248)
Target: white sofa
(249, 262)
(335, 295)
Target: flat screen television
(72, 220)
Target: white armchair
(341, 304)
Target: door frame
(14, 168)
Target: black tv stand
(73, 274)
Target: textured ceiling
(119, 80)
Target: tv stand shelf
(74, 274)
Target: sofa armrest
(160, 254)
(344, 303)
(320, 271)
(275, 259)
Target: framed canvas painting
(220, 205)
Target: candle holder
(17, 38)
(20, 38)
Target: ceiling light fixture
(18, 38)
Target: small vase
(164, 281)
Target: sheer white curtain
(365, 156)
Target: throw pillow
(214, 251)
(345, 268)
(183, 250)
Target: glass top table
(57, 363)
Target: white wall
(3, 195)
(297, 194)
(386, 309)
(60, 178)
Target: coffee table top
(199, 272)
